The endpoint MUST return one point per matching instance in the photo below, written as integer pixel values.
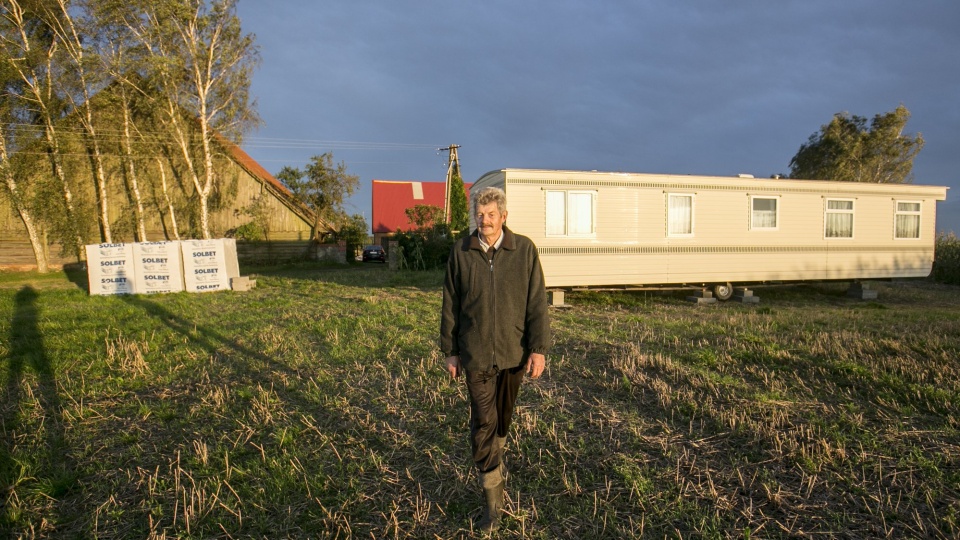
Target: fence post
(393, 250)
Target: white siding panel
(631, 246)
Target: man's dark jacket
(494, 314)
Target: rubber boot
(501, 444)
(492, 483)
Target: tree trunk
(204, 218)
(39, 253)
(132, 171)
(183, 140)
(208, 172)
(166, 199)
(204, 66)
(100, 183)
(41, 90)
(56, 160)
(73, 44)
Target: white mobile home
(602, 229)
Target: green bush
(946, 264)
(425, 248)
(353, 231)
(251, 231)
(258, 228)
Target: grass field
(315, 406)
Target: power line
(266, 142)
(116, 135)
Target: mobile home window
(679, 215)
(764, 213)
(907, 220)
(571, 213)
(839, 218)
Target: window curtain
(681, 214)
(908, 226)
(908, 220)
(556, 213)
(581, 213)
(839, 219)
(764, 213)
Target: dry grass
(316, 406)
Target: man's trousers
(492, 397)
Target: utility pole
(453, 167)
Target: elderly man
(494, 327)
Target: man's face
(490, 221)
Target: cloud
(675, 87)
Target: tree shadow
(54, 472)
(77, 274)
(368, 275)
(255, 367)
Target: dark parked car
(374, 253)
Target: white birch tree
(120, 58)
(34, 61)
(167, 200)
(19, 203)
(202, 63)
(84, 80)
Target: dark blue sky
(693, 87)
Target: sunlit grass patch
(316, 406)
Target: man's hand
(535, 364)
(453, 366)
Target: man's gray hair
(488, 195)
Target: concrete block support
(703, 296)
(861, 291)
(242, 283)
(555, 299)
(745, 296)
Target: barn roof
(276, 187)
(392, 197)
(250, 165)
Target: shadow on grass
(254, 367)
(77, 274)
(54, 471)
(369, 275)
(212, 341)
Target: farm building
(603, 229)
(391, 199)
(242, 182)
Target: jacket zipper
(493, 288)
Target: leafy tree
(33, 65)
(322, 187)
(353, 231)
(847, 149)
(202, 62)
(12, 185)
(13, 190)
(459, 213)
(426, 245)
(124, 62)
(176, 75)
(424, 216)
(75, 29)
